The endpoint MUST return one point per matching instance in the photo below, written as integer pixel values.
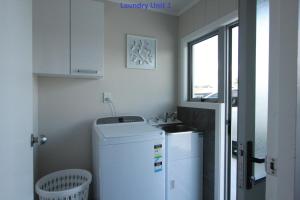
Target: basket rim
(63, 192)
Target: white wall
(203, 13)
(67, 107)
(282, 97)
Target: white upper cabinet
(68, 38)
(51, 37)
(86, 37)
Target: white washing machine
(128, 159)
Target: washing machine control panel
(120, 119)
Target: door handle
(39, 140)
(250, 165)
(257, 160)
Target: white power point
(107, 97)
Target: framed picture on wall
(141, 52)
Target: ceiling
(177, 6)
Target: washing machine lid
(126, 127)
(128, 130)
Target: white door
(16, 154)
(253, 98)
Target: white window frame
(220, 33)
(183, 58)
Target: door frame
(282, 120)
(228, 109)
(297, 163)
(247, 65)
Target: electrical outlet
(107, 97)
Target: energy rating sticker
(158, 167)
(158, 164)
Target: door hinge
(271, 166)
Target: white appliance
(184, 154)
(128, 159)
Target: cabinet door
(184, 179)
(184, 166)
(51, 37)
(87, 37)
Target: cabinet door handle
(87, 71)
(172, 184)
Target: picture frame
(141, 52)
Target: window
(206, 80)
(234, 40)
(232, 109)
(233, 30)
